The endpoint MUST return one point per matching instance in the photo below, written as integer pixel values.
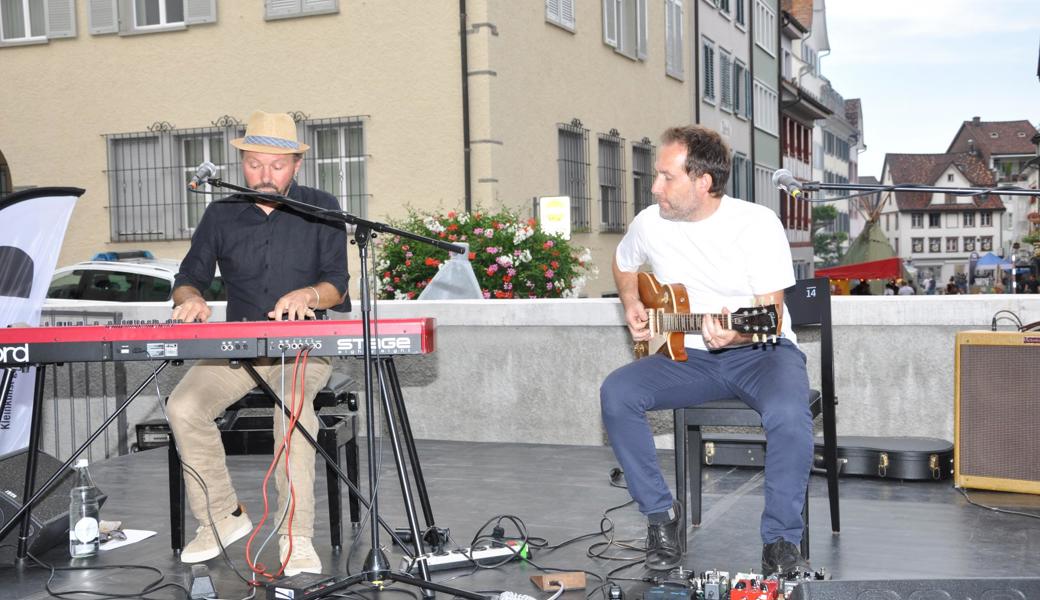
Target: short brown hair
(706, 152)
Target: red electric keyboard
(23, 346)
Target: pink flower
(491, 270)
(489, 233)
(507, 286)
(549, 274)
(548, 285)
(492, 250)
(487, 294)
(511, 272)
(478, 230)
(548, 244)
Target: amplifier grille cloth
(1000, 412)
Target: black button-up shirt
(263, 257)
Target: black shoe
(783, 558)
(663, 546)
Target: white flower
(433, 225)
(463, 218)
(504, 260)
(525, 256)
(522, 233)
(399, 295)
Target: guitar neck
(692, 322)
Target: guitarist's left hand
(716, 336)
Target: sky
(922, 67)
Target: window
(158, 13)
(917, 244)
(708, 58)
(726, 76)
(148, 172)
(917, 220)
(612, 208)
(149, 16)
(969, 219)
(969, 243)
(642, 174)
(287, 9)
(673, 35)
(740, 75)
(724, 8)
(934, 220)
(196, 149)
(986, 243)
(739, 17)
(765, 107)
(765, 193)
(339, 163)
(560, 12)
(573, 147)
(949, 177)
(624, 27)
(740, 177)
(765, 27)
(952, 244)
(934, 244)
(986, 219)
(36, 21)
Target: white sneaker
(204, 546)
(303, 560)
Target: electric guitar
(670, 319)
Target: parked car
(120, 277)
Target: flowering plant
(511, 257)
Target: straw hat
(270, 133)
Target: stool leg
(693, 460)
(327, 440)
(176, 476)
(353, 469)
(679, 426)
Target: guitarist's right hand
(638, 321)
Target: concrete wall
(530, 370)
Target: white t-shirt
(738, 252)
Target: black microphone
(784, 180)
(208, 169)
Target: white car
(119, 277)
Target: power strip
(463, 557)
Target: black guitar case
(916, 458)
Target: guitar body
(669, 319)
(670, 298)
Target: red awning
(886, 268)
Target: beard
(270, 188)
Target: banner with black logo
(32, 227)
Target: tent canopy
(886, 268)
(990, 260)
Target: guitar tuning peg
(774, 338)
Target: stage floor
(890, 529)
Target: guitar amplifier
(997, 411)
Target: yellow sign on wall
(554, 214)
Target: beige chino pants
(208, 388)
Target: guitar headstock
(758, 321)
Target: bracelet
(317, 296)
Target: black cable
(995, 509)
(997, 317)
(153, 586)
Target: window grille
(612, 182)
(642, 174)
(573, 162)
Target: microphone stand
(376, 569)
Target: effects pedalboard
(465, 557)
(681, 584)
(305, 586)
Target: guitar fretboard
(689, 322)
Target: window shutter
(669, 38)
(726, 75)
(104, 16)
(567, 13)
(316, 6)
(641, 32)
(749, 106)
(677, 38)
(200, 11)
(610, 23)
(282, 8)
(552, 11)
(61, 18)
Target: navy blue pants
(770, 378)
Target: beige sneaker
(303, 560)
(204, 546)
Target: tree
(826, 245)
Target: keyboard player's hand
(191, 310)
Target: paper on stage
(132, 536)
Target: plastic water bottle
(84, 514)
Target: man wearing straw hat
(277, 263)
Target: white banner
(32, 227)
